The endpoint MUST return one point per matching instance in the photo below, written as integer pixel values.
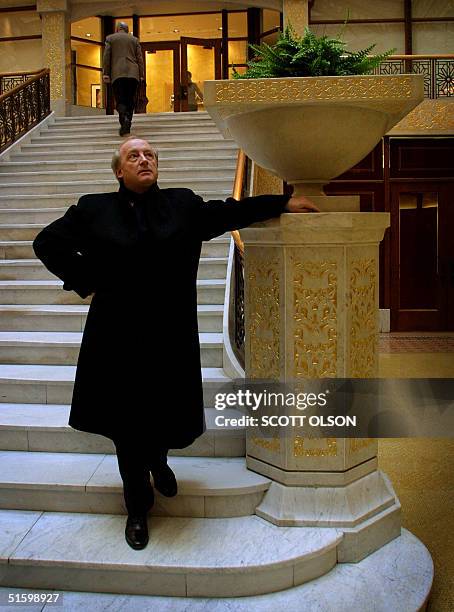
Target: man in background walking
(123, 67)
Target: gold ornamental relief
(264, 317)
(363, 323)
(315, 318)
(53, 32)
(357, 444)
(320, 88)
(432, 116)
(270, 444)
(302, 447)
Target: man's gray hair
(116, 156)
(121, 25)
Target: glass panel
(432, 8)
(237, 51)
(418, 250)
(159, 78)
(433, 37)
(270, 39)
(361, 35)
(271, 19)
(87, 54)
(172, 27)
(357, 9)
(19, 55)
(237, 24)
(19, 24)
(89, 28)
(201, 65)
(88, 83)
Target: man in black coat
(138, 378)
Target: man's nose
(142, 157)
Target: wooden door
(201, 57)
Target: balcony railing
(23, 104)
(438, 71)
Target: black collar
(128, 196)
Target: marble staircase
(62, 513)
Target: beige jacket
(123, 57)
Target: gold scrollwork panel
(263, 308)
(314, 296)
(363, 313)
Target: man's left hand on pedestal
(300, 204)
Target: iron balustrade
(438, 71)
(24, 105)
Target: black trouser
(135, 459)
(125, 90)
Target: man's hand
(106, 78)
(300, 204)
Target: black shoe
(125, 129)
(164, 480)
(136, 532)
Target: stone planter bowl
(308, 130)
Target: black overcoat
(139, 361)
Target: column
(56, 42)
(297, 13)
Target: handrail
(240, 174)
(425, 56)
(24, 106)
(21, 72)
(38, 74)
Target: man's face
(138, 165)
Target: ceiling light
(220, 28)
(88, 34)
(176, 30)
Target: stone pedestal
(311, 305)
(56, 42)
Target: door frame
(206, 43)
(174, 46)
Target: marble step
(199, 118)
(226, 172)
(53, 384)
(220, 181)
(44, 428)
(22, 249)
(396, 578)
(210, 291)
(169, 151)
(71, 317)
(33, 269)
(210, 141)
(46, 200)
(111, 129)
(215, 161)
(62, 348)
(186, 557)
(211, 487)
(146, 131)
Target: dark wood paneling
(368, 169)
(422, 158)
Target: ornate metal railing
(438, 71)
(10, 80)
(24, 105)
(236, 330)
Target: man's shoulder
(179, 194)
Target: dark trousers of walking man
(125, 90)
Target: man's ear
(119, 173)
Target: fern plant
(308, 55)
